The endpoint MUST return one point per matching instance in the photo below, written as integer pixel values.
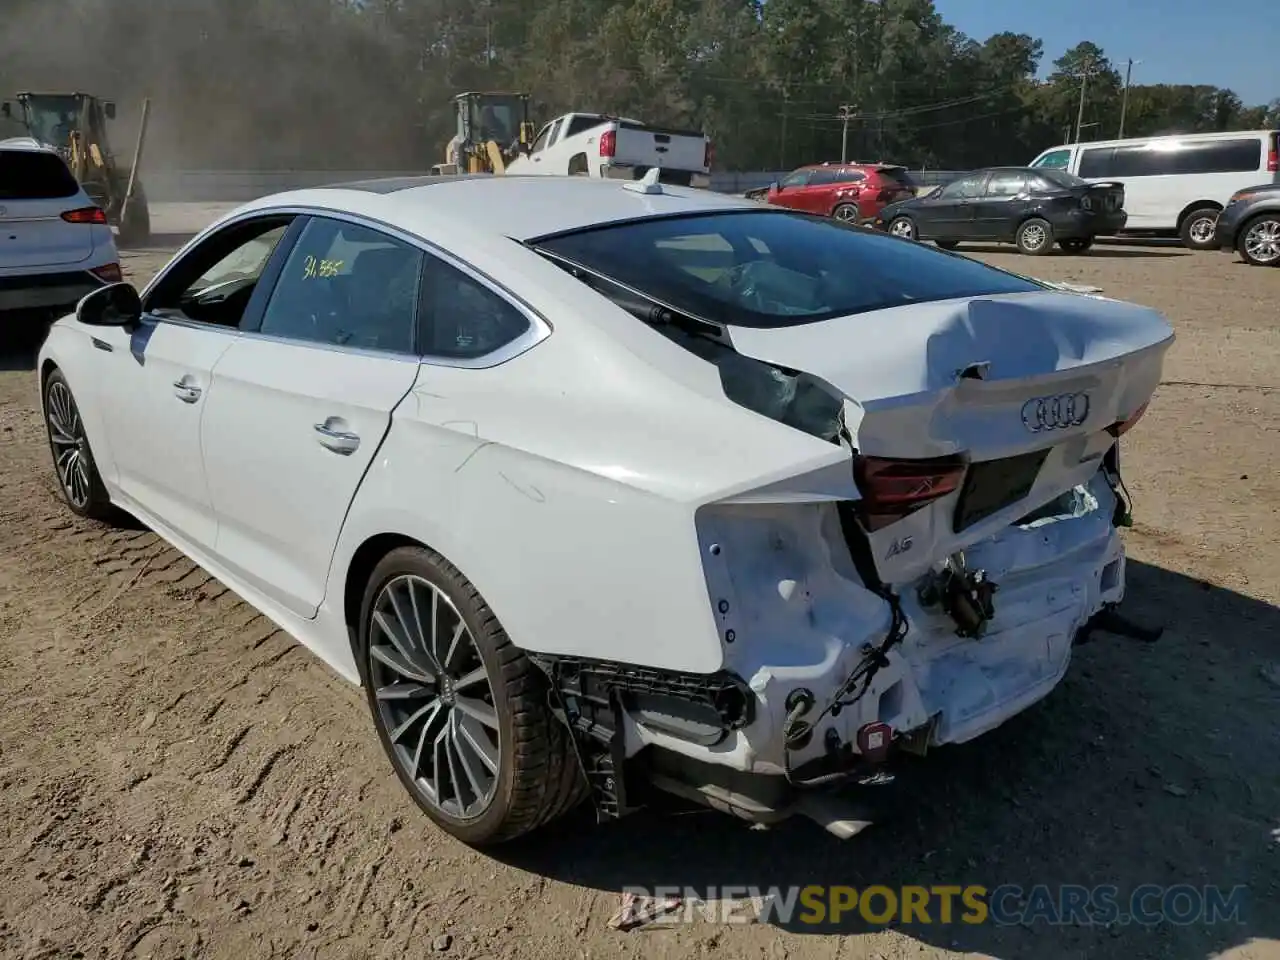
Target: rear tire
(947, 244)
(1076, 245)
(1197, 228)
(903, 227)
(501, 764)
(77, 472)
(1259, 241)
(1034, 237)
(846, 213)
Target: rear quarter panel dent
(571, 562)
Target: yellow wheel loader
(492, 130)
(75, 124)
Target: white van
(1175, 184)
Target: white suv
(55, 244)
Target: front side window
(774, 268)
(796, 178)
(1054, 159)
(214, 282)
(541, 142)
(347, 285)
(822, 178)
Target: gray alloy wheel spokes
(1263, 241)
(902, 228)
(434, 697)
(1203, 229)
(848, 214)
(70, 446)
(1034, 236)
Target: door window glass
(822, 178)
(214, 282)
(1054, 158)
(461, 318)
(797, 178)
(1006, 183)
(962, 189)
(542, 140)
(347, 285)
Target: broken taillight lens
(1121, 427)
(891, 488)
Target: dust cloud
(234, 84)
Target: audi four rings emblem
(1055, 413)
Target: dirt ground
(179, 779)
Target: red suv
(854, 192)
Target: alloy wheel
(70, 445)
(1033, 236)
(847, 213)
(902, 228)
(1202, 229)
(1262, 241)
(434, 697)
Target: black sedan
(1250, 224)
(1032, 207)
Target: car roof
(519, 207)
(26, 144)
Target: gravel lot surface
(180, 779)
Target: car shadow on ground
(1150, 764)
(1117, 252)
(21, 344)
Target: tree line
(365, 84)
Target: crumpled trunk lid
(1025, 386)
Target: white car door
(300, 406)
(159, 375)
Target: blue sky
(1227, 43)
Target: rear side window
(32, 175)
(460, 318)
(1157, 159)
(774, 268)
(896, 175)
(578, 124)
(822, 178)
(1006, 183)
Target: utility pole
(1084, 81)
(846, 110)
(1124, 100)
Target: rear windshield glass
(775, 268)
(1060, 178)
(897, 175)
(28, 175)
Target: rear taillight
(1121, 427)
(108, 272)
(1273, 158)
(709, 155)
(86, 215)
(891, 489)
(608, 143)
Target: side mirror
(111, 110)
(775, 187)
(115, 305)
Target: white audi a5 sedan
(599, 488)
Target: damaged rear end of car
(922, 590)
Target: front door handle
(186, 391)
(330, 436)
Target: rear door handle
(331, 437)
(186, 391)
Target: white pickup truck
(596, 145)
